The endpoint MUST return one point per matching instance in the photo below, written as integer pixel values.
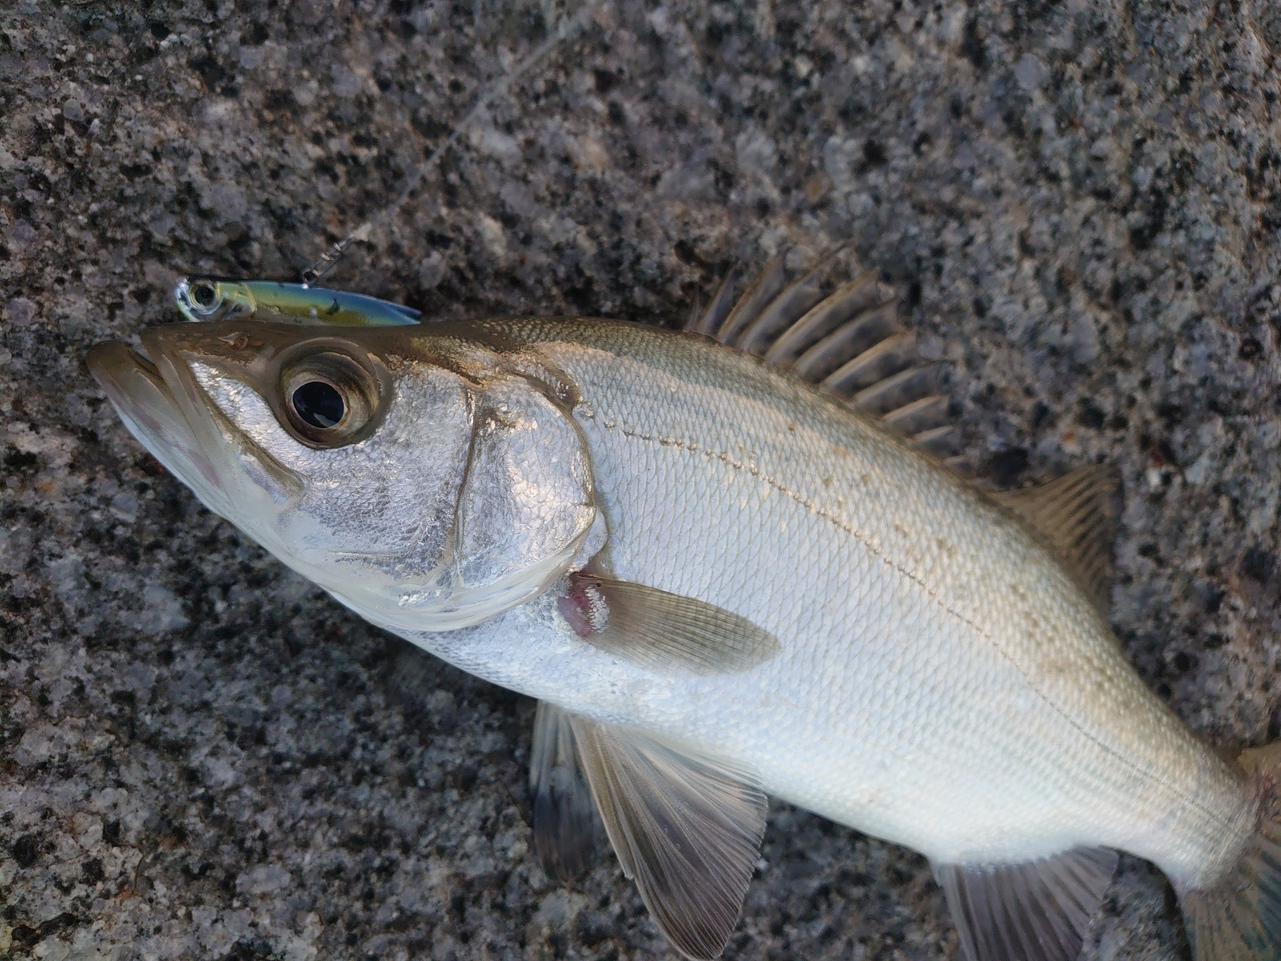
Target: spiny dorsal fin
(662, 630)
(850, 341)
(686, 826)
(1035, 911)
(1076, 514)
(564, 813)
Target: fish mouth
(156, 403)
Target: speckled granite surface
(202, 757)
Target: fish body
(720, 582)
(941, 680)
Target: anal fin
(686, 826)
(564, 812)
(1076, 515)
(1031, 911)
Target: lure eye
(330, 398)
(204, 295)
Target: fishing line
(568, 28)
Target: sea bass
(729, 563)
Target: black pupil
(318, 404)
(203, 294)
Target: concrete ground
(203, 757)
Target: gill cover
(415, 477)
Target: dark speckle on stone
(20, 460)
(26, 850)
(1258, 564)
(972, 46)
(605, 80)
(1006, 466)
(1213, 600)
(1090, 416)
(1150, 221)
(24, 935)
(1041, 416)
(210, 70)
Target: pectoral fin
(1036, 911)
(1076, 516)
(687, 827)
(659, 629)
(564, 813)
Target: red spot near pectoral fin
(584, 605)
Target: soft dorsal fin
(686, 826)
(1034, 911)
(1076, 515)
(662, 630)
(564, 812)
(850, 341)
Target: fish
(734, 561)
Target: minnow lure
(212, 299)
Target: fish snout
(148, 407)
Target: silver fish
(729, 563)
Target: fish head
(415, 477)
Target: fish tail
(1239, 917)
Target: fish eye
(318, 403)
(330, 398)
